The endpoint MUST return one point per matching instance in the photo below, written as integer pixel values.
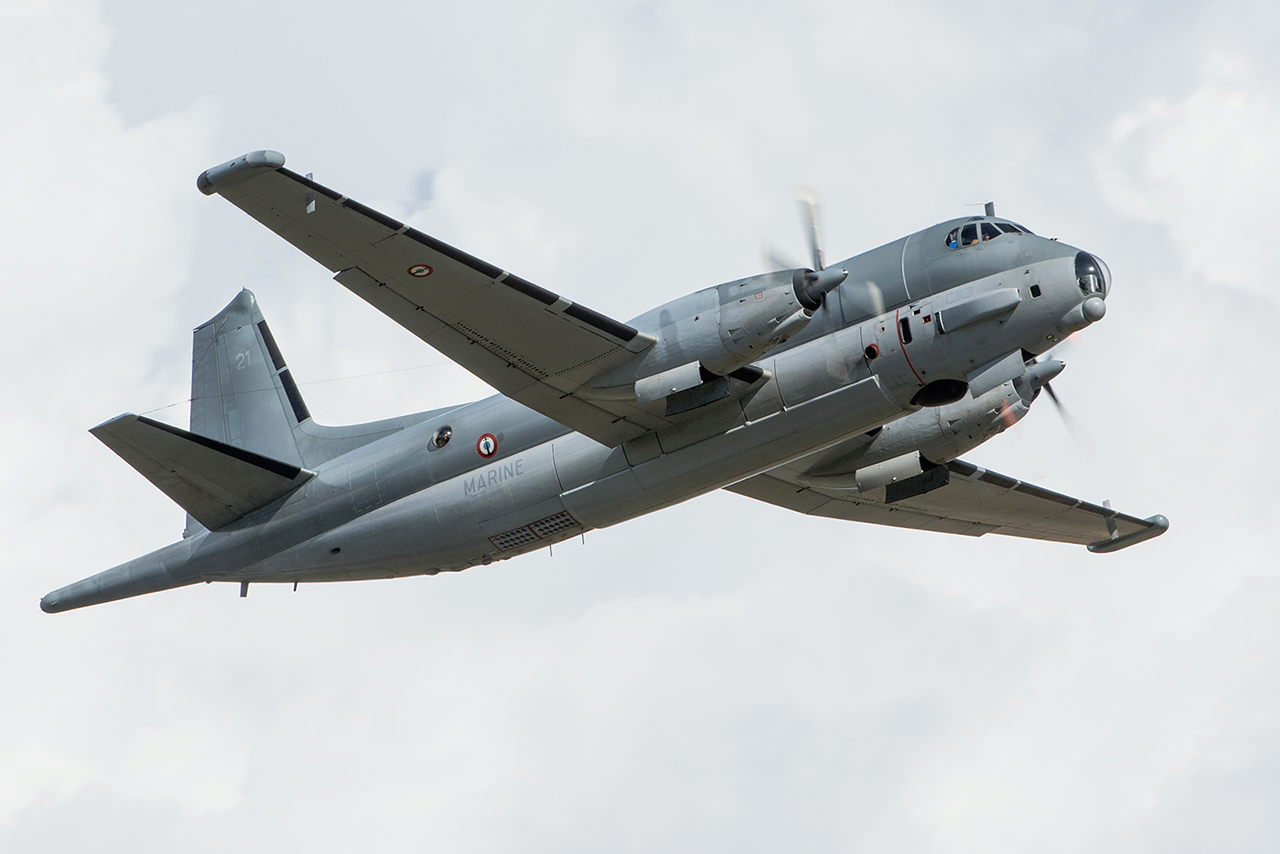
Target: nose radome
(1094, 309)
(1088, 312)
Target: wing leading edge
(969, 500)
(528, 343)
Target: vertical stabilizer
(242, 393)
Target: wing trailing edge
(529, 343)
(961, 498)
(215, 482)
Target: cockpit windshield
(979, 230)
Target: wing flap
(973, 502)
(215, 482)
(525, 341)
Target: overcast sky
(724, 675)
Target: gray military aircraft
(846, 391)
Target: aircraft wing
(966, 499)
(530, 344)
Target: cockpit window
(1089, 275)
(981, 230)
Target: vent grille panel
(513, 539)
(534, 531)
(554, 524)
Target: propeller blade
(774, 261)
(1054, 397)
(866, 295)
(1078, 434)
(809, 210)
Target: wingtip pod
(147, 574)
(240, 169)
(1159, 524)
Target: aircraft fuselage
(914, 323)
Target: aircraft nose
(1093, 276)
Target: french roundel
(487, 445)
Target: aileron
(973, 502)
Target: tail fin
(242, 393)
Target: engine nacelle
(748, 318)
(759, 313)
(754, 316)
(937, 435)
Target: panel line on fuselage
(906, 286)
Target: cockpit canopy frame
(979, 230)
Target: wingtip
(1159, 524)
(242, 168)
(124, 416)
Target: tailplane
(214, 482)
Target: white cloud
(1203, 167)
(31, 771)
(720, 675)
(199, 763)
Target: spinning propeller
(809, 211)
(1040, 371)
(821, 280)
(1078, 433)
(809, 217)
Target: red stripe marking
(898, 328)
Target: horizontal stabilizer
(215, 482)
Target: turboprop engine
(759, 313)
(913, 445)
(751, 317)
